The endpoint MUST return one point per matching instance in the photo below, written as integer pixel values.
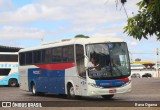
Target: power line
(142, 53)
(125, 10)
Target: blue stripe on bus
(110, 83)
(50, 81)
(5, 80)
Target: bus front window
(108, 60)
(119, 59)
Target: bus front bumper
(93, 91)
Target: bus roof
(82, 41)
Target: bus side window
(4, 71)
(8, 58)
(57, 55)
(28, 58)
(68, 54)
(47, 57)
(43, 56)
(37, 56)
(22, 58)
(80, 60)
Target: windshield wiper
(118, 69)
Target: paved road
(143, 89)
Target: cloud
(11, 33)
(6, 5)
(133, 43)
(92, 17)
(88, 16)
(90, 12)
(32, 13)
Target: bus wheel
(34, 91)
(70, 91)
(13, 83)
(107, 96)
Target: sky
(28, 23)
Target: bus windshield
(108, 60)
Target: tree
(81, 36)
(146, 22)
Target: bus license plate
(112, 91)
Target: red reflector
(112, 91)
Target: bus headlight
(94, 85)
(126, 83)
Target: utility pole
(157, 53)
(131, 57)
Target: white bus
(62, 68)
(9, 69)
(137, 66)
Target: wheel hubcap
(33, 89)
(13, 84)
(72, 91)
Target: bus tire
(34, 90)
(70, 91)
(107, 96)
(13, 83)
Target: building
(9, 49)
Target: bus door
(81, 69)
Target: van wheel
(107, 96)
(70, 91)
(13, 83)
